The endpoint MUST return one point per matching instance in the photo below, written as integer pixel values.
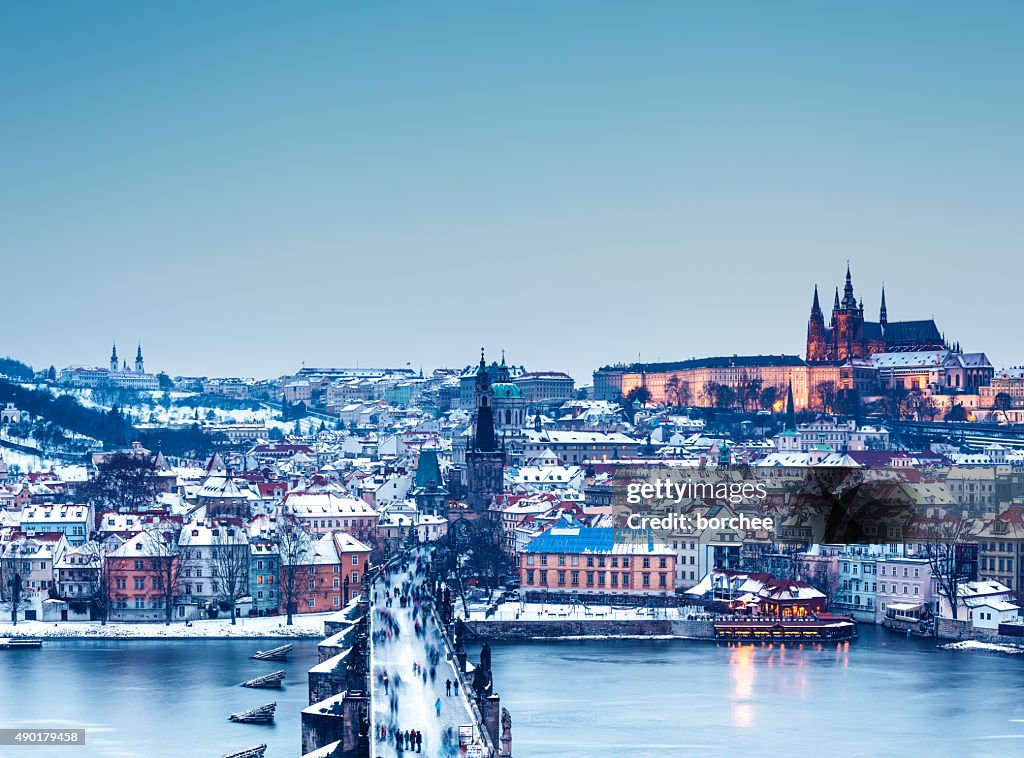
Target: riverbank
(993, 647)
(304, 626)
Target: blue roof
(589, 540)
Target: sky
(249, 187)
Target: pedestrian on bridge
(437, 707)
(448, 687)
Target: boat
(20, 643)
(822, 628)
(275, 654)
(266, 682)
(262, 715)
(249, 752)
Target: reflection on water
(881, 695)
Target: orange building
(575, 559)
(135, 579)
(328, 573)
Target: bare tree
(949, 556)
(672, 390)
(13, 597)
(826, 392)
(230, 564)
(824, 577)
(295, 550)
(123, 482)
(165, 555)
(487, 560)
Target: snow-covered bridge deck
(409, 700)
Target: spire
(849, 301)
(816, 306)
(790, 425)
(883, 314)
(113, 358)
(484, 441)
(835, 305)
(483, 362)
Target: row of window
(603, 579)
(601, 561)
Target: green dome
(507, 390)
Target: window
(647, 580)
(312, 602)
(337, 601)
(355, 560)
(646, 562)
(561, 578)
(574, 577)
(561, 560)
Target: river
(152, 697)
(882, 694)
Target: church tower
(113, 358)
(817, 350)
(848, 321)
(485, 462)
(139, 365)
(429, 490)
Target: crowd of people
(403, 595)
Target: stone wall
(518, 630)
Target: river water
(152, 697)
(882, 694)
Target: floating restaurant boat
(20, 643)
(820, 628)
(275, 654)
(266, 682)
(251, 752)
(262, 715)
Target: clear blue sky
(247, 186)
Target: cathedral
(848, 335)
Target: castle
(848, 335)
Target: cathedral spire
(816, 306)
(835, 305)
(113, 358)
(849, 301)
(883, 314)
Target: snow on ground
(515, 611)
(416, 697)
(305, 625)
(26, 462)
(979, 645)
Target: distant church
(140, 367)
(848, 335)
